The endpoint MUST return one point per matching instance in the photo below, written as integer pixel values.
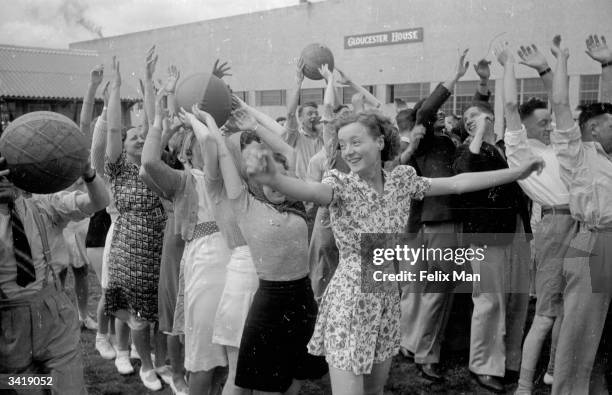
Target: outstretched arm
(114, 145)
(560, 96)
(368, 97)
(149, 87)
(505, 58)
(598, 50)
(469, 182)
(292, 123)
(95, 79)
(260, 167)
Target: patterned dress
(354, 329)
(136, 246)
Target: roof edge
(54, 51)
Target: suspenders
(42, 231)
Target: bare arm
(149, 87)
(97, 195)
(505, 58)
(292, 106)
(462, 67)
(368, 97)
(469, 182)
(114, 145)
(96, 76)
(560, 96)
(598, 50)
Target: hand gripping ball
(210, 92)
(315, 56)
(46, 152)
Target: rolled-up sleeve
(518, 150)
(61, 207)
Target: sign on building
(384, 38)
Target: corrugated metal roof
(43, 73)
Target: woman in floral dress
(358, 332)
(136, 245)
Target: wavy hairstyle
(377, 125)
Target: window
(242, 95)
(312, 95)
(410, 93)
(531, 87)
(349, 91)
(270, 98)
(463, 96)
(589, 89)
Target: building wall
(264, 47)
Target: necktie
(23, 255)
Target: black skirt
(99, 224)
(278, 328)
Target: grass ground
(102, 378)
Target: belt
(562, 209)
(204, 229)
(49, 289)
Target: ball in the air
(46, 152)
(209, 91)
(315, 56)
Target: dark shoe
(430, 372)
(489, 382)
(511, 377)
(407, 354)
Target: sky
(56, 23)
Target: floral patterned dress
(136, 246)
(354, 329)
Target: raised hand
(344, 79)
(238, 104)
(173, 76)
(187, 118)
(556, 49)
(532, 57)
(462, 65)
(204, 117)
(598, 50)
(220, 71)
(116, 73)
(534, 164)
(244, 120)
(299, 72)
(97, 75)
(324, 70)
(482, 69)
(503, 54)
(150, 63)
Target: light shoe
(165, 372)
(104, 347)
(150, 380)
(548, 379)
(89, 323)
(183, 390)
(123, 364)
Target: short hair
(593, 110)
(307, 104)
(280, 119)
(377, 125)
(405, 119)
(282, 159)
(339, 108)
(481, 105)
(527, 109)
(247, 138)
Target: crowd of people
(240, 245)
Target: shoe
(89, 323)
(181, 389)
(104, 347)
(150, 380)
(133, 352)
(430, 372)
(165, 372)
(407, 353)
(548, 379)
(489, 382)
(123, 364)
